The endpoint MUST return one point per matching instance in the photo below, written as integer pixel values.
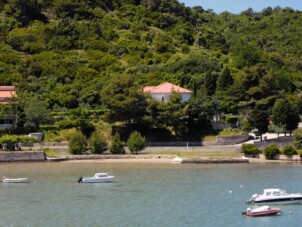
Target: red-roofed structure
(9, 116)
(7, 93)
(163, 91)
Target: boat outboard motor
(247, 211)
(80, 180)
(252, 199)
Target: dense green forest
(76, 63)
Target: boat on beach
(14, 180)
(261, 211)
(275, 196)
(97, 178)
(177, 159)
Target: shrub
(77, 143)
(300, 153)
(271, 151)
(245, 125)
(231, 120)
(117, 145)
(65, 124)
(136, 142)
(8, 142)
(98, 143)
(298, 138)
(250, 149)
(289, 150)
(11, 142)
(27, 141)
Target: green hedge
(250, 149)
(11, 141)
(77, 143)
(271, 151)
(289, 150)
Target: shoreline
(142, 158)
(162, 159)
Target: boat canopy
(274, 191)
(101, 174)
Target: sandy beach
(114, 158)
(136, 160)
(163, 159)
(155, 159)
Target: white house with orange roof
(163, 91)
(8, 119)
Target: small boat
(275, 196)
(177, 159)
(261, 211)
(14, 180)
(97, 178)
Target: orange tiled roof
(165, 88)
(7, 88)
(7, 92)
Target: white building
(163, 91)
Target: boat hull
(97, 180)
(275, 196)
(279, 201)
(15, 180)
(263, 213)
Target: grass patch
(57, 136)
(224, 132)
(204, 154)
(51, 152)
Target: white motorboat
(97, 178)
(261, 211)
(14, 180)
(275, 196)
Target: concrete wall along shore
(22, 156)
(281, 142)
(283, 157)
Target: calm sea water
(144, 194)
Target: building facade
(163, 91)
(8, 113)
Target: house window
(162, 98)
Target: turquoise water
(144, 194)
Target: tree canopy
(97, 55)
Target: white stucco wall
(166, 96)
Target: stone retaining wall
(228, 140)
(283, 157)
(281, 142)
(220, 140)
(235, 139)
(22, 156)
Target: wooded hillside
(87, 55)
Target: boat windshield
(101, 175)
(275, 193)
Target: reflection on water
(143, 194)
